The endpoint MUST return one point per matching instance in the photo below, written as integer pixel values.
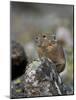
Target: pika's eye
(44, 36)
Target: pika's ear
(35, 36)
(53, 36)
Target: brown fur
(52, 50)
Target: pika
(49, 47)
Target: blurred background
(29, 18)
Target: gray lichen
(40, 79)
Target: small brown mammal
(47, 46)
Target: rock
(40, 79)
(17, 88)
(18, 60)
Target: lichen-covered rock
(40, 79)
(17, 88)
